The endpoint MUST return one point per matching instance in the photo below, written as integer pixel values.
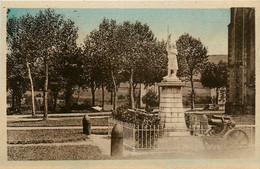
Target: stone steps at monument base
(171, 109)
(172, 115)
(177, 126)
(171, 104)
(173, 120)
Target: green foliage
(17, 81)
(192, 56)
(142, 123)
(48, 43)
(151, 99)
(203, 99)
(121, 97)
(153, 67)
(68, 72)
(136, 44)
(101, 62)
(198, 99)
(139, 119)
(118, 53)
(214, 75)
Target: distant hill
(216, 58)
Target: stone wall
(241, 62)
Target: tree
(102, 62)
(192, 55)
(93, 64)
(119, 53)
(17, 81)
(215, 76)
(153, 67)
(21, 43)
(133, 39)
(112, 62)
(68, 71)
(150, 99)
(40, 39)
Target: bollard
(117, 141)
(86, 125)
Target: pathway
(28, 116)
(171, 148)
(53, 118)
(63, 127)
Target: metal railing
(145, 137)
(138, 136)
(198, 126)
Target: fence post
(117, 141)
(150, 136)
(134, 136)
(159, 132)
(154, 136)
(252, 129)
(108, 126)
(142, 130)
(146, 141)
(138, 137)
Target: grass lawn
(66, 152)
(45, 136)
(57, 123)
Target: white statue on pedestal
(172, 60)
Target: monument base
(172, 114)
(171, 78)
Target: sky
(209, 25)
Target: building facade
(241, 62)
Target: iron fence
(145, 137)
(138, 136)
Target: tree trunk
(103, 96)
(136, 98)
(159, 92)
(115, 91)
(140, 99)
(111, 97)
(78, 95)
(13, 101)
(217, 95)
(55, 95)
(43, 99)
(32, 88)
(115, 100)
(45, 115)
(132, 101)
(192, 93)
(18, 103)
(93, 94)
(68, 96)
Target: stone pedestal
(171, 107)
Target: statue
(172, 59)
